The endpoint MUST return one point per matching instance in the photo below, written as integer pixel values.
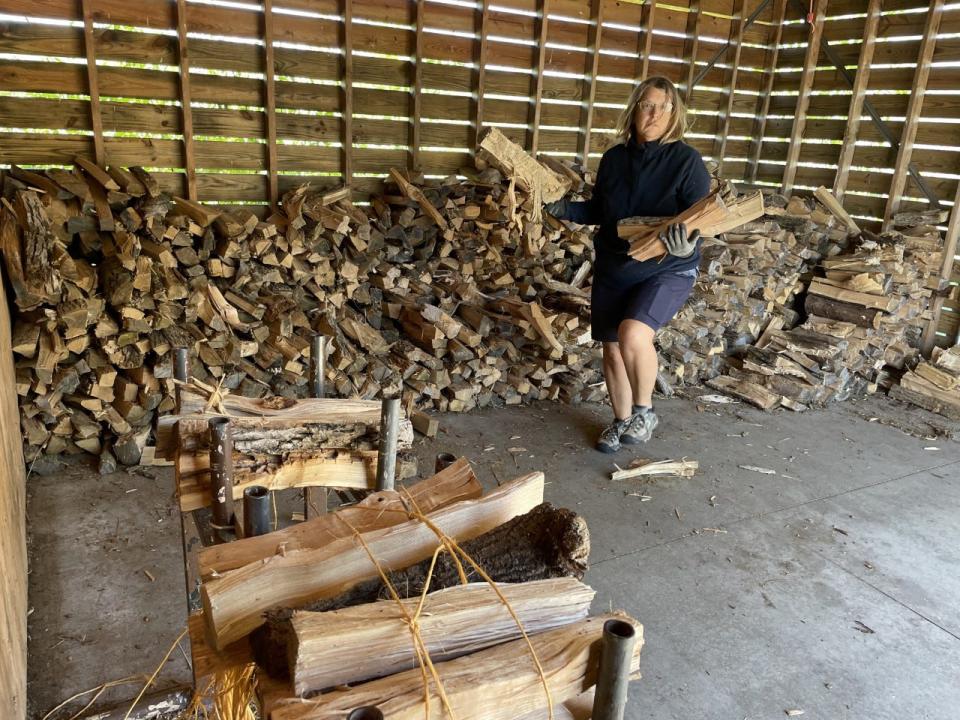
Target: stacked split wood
(451, 295)
(322, 616)
(934, 386)
(865, 311)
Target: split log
(452, 484)
(476, 685)
(373, 640)
(751, 392)
(839, 310)
(835, 208)
(234, 603)
(541, 183)
(544, 543)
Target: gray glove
(558, 209)
(678, 243)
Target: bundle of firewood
(318, 610)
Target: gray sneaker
(640, 427)
(609, 441)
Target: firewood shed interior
(291, 350)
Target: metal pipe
(443, 461)
(181, 364)
(616, 651)
(367, 712)
(256, 511)
(221, 471)
(389, 432)
(318, 365)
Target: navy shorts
(652, 300)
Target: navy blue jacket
(651, 179)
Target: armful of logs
(713, 215)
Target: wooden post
(929, 338)
(645, 39)
(856, 100)
(763, 101)
(723, 121)
(270, 103)
(533, 131)
(803, 100)
(927, 45)
(690, 47)
(590, 82)
(481, 77)
(93, 84)
(346, 106)
(416, 101)
(186, 111)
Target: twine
(451, 546)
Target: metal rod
(256, 511)
(221, 471)
(318, 365)
(874, 115)
(719, 54)
(616, 651)
(368, 712)
(181, 364)
(443, 461)
(387, 456)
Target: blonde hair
(676, 127)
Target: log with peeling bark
(373, 640)
(378, 510)
(235, 602)
(475, 685)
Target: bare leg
(639, 358)
(618, 382)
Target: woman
(652, 173)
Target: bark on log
(839, 310)
(546, 542)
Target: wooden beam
(480, 88)
(691, 45)
(416, 95)
(929, 338)
(803, 100)
(270, 103)
(858, 94)
(346, 105)
(533, 122)
(737, 26)
(186, 111)
(93, 83)
(589, 91)
(924, 57)
(645, 38)
(763, 101)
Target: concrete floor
(829, 587)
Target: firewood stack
(453, 295)
(864, 317)
(934, 386)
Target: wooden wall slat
(186, 110)
(803, 101)
(908, 136)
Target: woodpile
(451, 295)
(934, 386)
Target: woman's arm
(696, 183)
(590, 212)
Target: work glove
(678, 243)
(558, 209)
